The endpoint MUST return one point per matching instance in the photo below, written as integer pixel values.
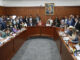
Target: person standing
(57, 22)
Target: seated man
(30, 23)
(15, 29)
(79, 38)
(37, 19)
(77, 24)
(69, 31)
(72, 33)
(74, 37)
(57, 22)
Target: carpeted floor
(38, 49)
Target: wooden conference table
(9, 49)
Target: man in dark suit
(57, 22)
(77, 24)
(2, 23)
(30, 23)
(37, 19)
(34, 21)
(30, 18)
(72, 19)
(20, 19)
(78, 17)
(26, 19)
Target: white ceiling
(41, 0)
(14, 3)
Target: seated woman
(7, 32)
(48, 23)
(0, 36)
(3, 34)
(22, 24)
(62, 23)
(15, 29)
(40, 23)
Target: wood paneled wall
(26, 11)
(2, 12)
(59, 11)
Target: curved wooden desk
(8, 50)
(41, 31)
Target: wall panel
(2, 11)
(59, 11)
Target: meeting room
(39, 29)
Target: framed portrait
(49, 8)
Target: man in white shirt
(30, 19)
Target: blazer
(24, 20)
(72, 23)
(29, 24)
(56, 22)
(77, 26)
(37, 19)
(34, 21)
(4, 25)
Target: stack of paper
(60, 33)
(1, 43)
(77, 47)
(1, 38)
(6, 40)
(14, 35)
(66, 38)
(78, 57)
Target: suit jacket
(37, 19)
(77, 26)
(27, 21)
(57, 22)
(30, 24)
(34, 21)
(20, 20)
(4, 25)
(72, 23)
